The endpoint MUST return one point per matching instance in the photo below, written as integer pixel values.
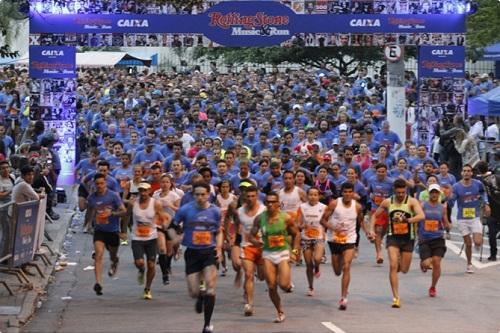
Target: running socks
(162, 259)
(209, 304)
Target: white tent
(98, 59)
(107, 59)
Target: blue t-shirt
(200, 225)
(85, 167)
(110, 200)
(432, 226)
(395, 173)
(379, 190)
(389, 139)
(144, 157)
(469, 199)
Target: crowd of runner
(253, 171)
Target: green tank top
(396, 229)
(274, 236)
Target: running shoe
(396, 303)
(380, 260)
(223, 271)
(93, 255)
(98, 289)
(208, 329)
(310, 292)
(198, 306)
(343, 304)
(280, 318)
(432, 292)
(166, 279)
(290, 290)
(492, 258)
(147, 294)
(470, 269)
(248, 310)
(140, 278)
(113, 268)
(124, 242)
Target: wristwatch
(295, 251)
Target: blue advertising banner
(52, 62)
(25, 215)
(441, 61)
(247, 23)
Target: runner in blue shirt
(203, 237)
(388, 137)
(446, 181)
(106, 207)
(380, 187)
(432, 246)
(470, 196)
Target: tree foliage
(483, 27)
(344, 59)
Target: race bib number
(340, 238)
(143, 230)
(312, 232)
(102, 217)
(377, 200)
(276, 241)
(400, 228)
(431, 225)
(202, 238)
(469, 213)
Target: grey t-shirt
(6, 185)
(23, 192)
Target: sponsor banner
(441, 61)
(52, 62)
(396, 115)
(25, 216)
(65, 148)
(247, 23)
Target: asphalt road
(465, 302)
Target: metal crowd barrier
(22, 234)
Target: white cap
(434, 187)
(145, 186)
(297, 106)
(342, 127)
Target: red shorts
(382, 219)
(252, 254)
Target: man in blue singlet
(203, 239)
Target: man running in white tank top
(251, 256)
(313, 235)
(291, 197)
(340, 219)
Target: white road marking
(333, 327)
(475, 262)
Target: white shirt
(476, 130)
(492, 132)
